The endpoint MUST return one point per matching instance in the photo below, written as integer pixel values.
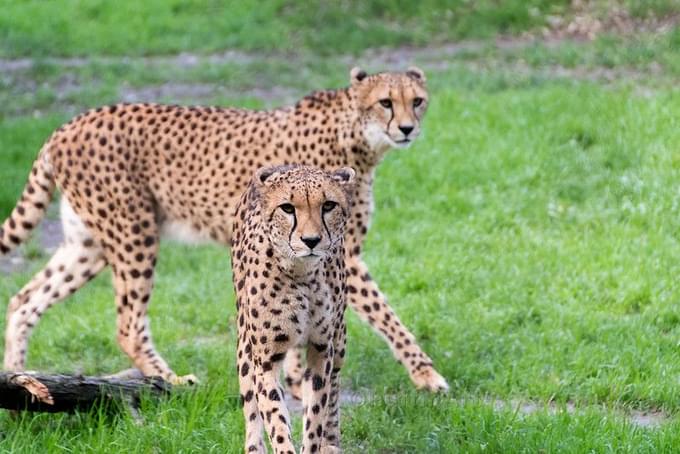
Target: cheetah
(289, 275)
(132, 173)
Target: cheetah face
(305, 209)
(391, 106)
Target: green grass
(20, 141)
(70, 27)
(638, 53)
(34, 28)
(529, 239)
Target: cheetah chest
(305, 312)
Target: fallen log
(32, 391)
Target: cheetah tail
(30, 208)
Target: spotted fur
(130, 173)
(289, 275)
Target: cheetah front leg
(246, 381)
(331, 433)
(270, 403)
(366, 299)
(133, 291)
(316, 390)
(133, 264)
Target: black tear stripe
(290, 237)
(323, 220)
(391, 118)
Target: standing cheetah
(289, 275)
(129, 173)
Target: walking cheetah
(289, 275)
(129, 173)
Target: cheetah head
(391, 106)
(304, 209)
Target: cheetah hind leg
(69, 269)
(293, 371)
(77, 260)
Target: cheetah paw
(430, 380)
(183, 380)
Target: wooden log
(33, 391)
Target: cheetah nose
(406, 129)
(311, 241)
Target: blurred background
(530, 238)
(61, 57)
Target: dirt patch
(12, 263)
(383, 57)
(401, 57)
(650, 419)
(184, 60)
(199, 93)
(588, 19)
(67, 88)
(520, 69)
(50, 234)
(584, 21)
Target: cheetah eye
(287, 208)
(328, 206)
(417, 102)
(386, 103)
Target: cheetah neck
(299, 270)
(363, 154)
(335, 116)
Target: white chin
(402, 144)
(308, 257)
(377, 139)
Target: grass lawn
(529, 239)
(72, 27)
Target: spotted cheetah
(130, 173)
(289, 275)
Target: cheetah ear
(344, 176)
(262, 176)
(416, 73)
(357, 75)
